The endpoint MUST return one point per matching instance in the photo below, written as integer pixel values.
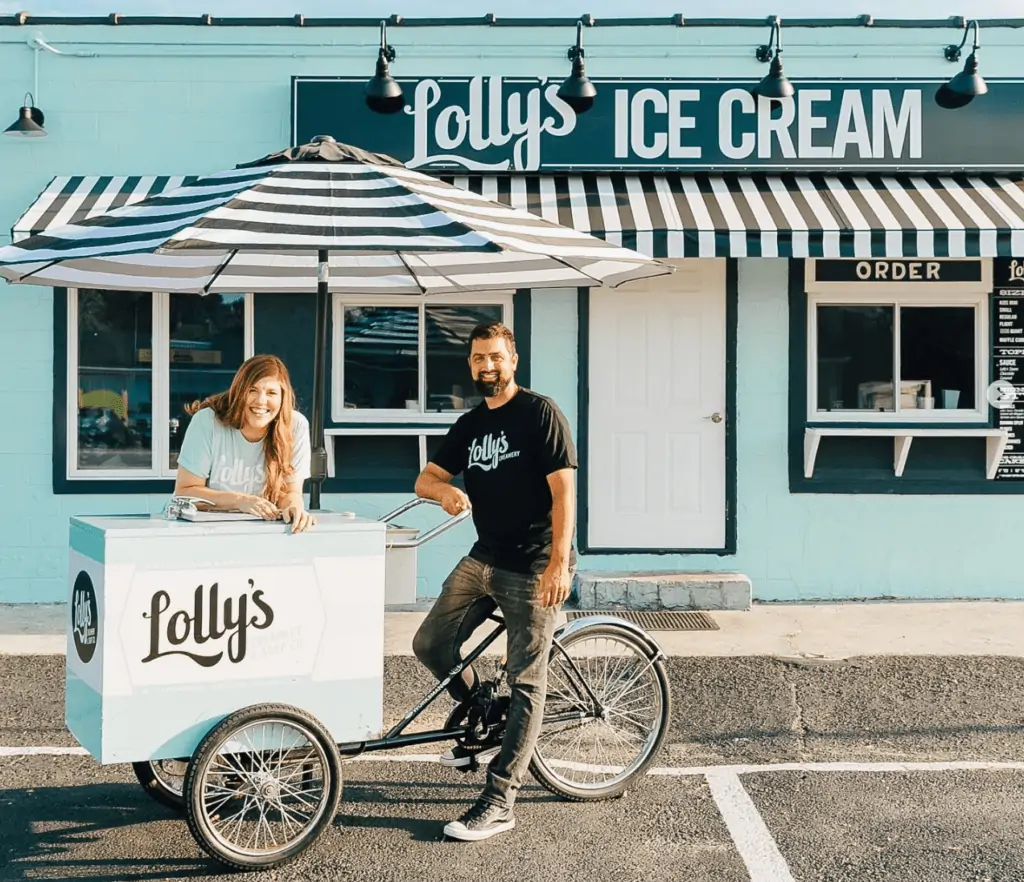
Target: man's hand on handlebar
(453, 500)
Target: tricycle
(259, 781)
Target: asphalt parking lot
(904, 769)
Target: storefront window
(410, 360)
(931, 352)
(135, 361)
(206, 347)
(855, 357)
(381, 357)
(937, 344)
(115, 380)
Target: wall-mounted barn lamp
(577, 91)
(383, 94)
(774, 84)
(967, 84)
(29, 123)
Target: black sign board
(489, 123)
(1008, 361)
(897, 270)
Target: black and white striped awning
(671, 215)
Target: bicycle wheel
(606, 714)
(262, 786)
(163, 780)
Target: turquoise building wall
(147, 99)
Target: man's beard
(491, 388)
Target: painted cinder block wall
(147, 99)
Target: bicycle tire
(574, 793)
(156, 788)
(199, 825)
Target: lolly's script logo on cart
(84, 617)
(208, 620)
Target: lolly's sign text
(209, 619)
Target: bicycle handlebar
(422, 538)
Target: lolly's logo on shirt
(487, 452)
(235, 473)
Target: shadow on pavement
(42, 824)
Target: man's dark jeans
(468, 595)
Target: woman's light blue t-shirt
(229, 462)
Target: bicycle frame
(394, 737)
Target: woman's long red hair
(229, 408)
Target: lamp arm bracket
(764, 51)
(576, 52)
(952, 53)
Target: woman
(248, 449)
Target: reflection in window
(207, 346)
(855, 358)
(449, 382)
(382, 356)
(115, 379)
(937, 352)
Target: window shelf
(903, 437)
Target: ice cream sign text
(652, 124)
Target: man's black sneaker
(482, 821)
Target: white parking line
(42, 751)
(749, 832)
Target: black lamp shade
(29, 124)
(577, 91)
(774, 85)
(383, 94)
(968, 81)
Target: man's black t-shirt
(506, 454)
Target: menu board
(1008, 361)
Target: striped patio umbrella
(321, 217)
(265, 225)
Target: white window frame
(341, 414)
(161, 342)
(911, 294)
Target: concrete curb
(664, 591)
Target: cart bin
(172, 625)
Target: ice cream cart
(253, 658)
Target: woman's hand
(296, 515)
(257, 505)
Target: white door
(656, 463)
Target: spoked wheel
(163, 780)
(262, 786)
(606, 715)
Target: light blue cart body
(173, 625)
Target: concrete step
(693, 591)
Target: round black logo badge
(84, 617)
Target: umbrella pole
(318, 464)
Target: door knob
(715, 418)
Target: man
(516, 453)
